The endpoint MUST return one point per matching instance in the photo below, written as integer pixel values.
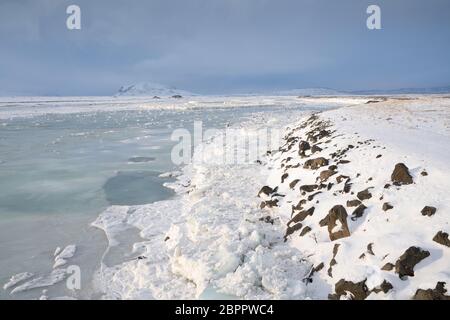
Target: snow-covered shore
(215, 241)
(362, 225)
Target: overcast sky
(222, 46)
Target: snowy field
(247, 230)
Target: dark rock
(400, 175)
(337, 213)
(357, 291)
(437, 293)
(387, 186)
(343, 161)
(301, 216)
(424, 173)
(302, 147)
(347, 187)
(315, 148)
(156, 97)
(340, 178)
(358, 212)
(299, 205)
(315, 163)
(387, 206)
(293, 183)
(311, 197)
(284, 176)
(266, 190)
(267, 219)
(428, 211)
(333, 167)
(305, 231)
(177, 96)
(319, 267)
(384, 287)
(379, 156)
(353, 203)
(308, 188)
(364, 195)
(442, 238)
(388, 267)
(269, 204)
(291, 230)
(407, 261)
(326, 174)
(370, 249)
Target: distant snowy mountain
(310, 92)
(151, 89)
(432, 90)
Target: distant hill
(433, 90)
(151, 89)
(310, 92)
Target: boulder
(302, 147)
(293, 183)
(291, 230)
(364, 195)
(305, 231)
(301, 216)
(438, 293)
(266, 190)
(388, 267)
(269, 204)
(315, 163)
(384, 287)
(340, 178)
(336, 215)
(428, 211)
(353, 203)
(355, 291)
(387, 206)
(442, 238)
(326, 174)
(401, 175)
(358, 212)
(408, 260)
(315, 148)
(308, 188)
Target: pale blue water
(58, 172)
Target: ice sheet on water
(54, 277)
(16, 279)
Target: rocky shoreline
(358, 208)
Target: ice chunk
(15, 279)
